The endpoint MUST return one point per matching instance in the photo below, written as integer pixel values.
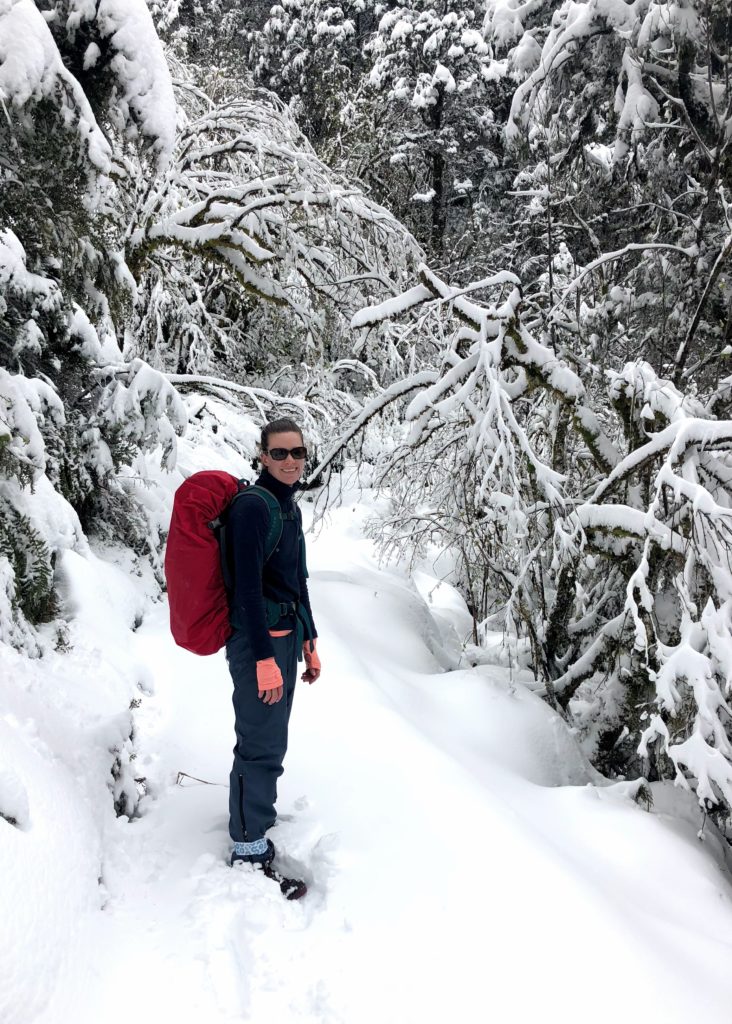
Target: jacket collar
(281, 491)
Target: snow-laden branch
(261, 398)
(25, 404)
(245, 191)
(32, 69)
(679, 436)
(371, 315)
(497, 342)
(396, 392)
(587, 664)
(625, 521)
(689, 252)
(144, 94)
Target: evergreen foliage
(78, 125)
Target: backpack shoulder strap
(302, 558)
(272, 537)
(274, 530)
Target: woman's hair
(282, 426)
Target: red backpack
(196, 563)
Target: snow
(142, 70)
(525, 56)
(148, 409)
(48, 512)
(453, 835)
(81, 327)
(31, 69)
(473, 40)
(145, 89)
(601, 156)
(391, 307)
(424, 197)
(61, 716)
(91, 56)
(443, 76)
(401, 30)
(24, 402)
(13, 272)
(635, 107)
(30, 338)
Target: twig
(184, 775)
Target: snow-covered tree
(403, 97)
(623, 132)
(87, 102)
(590, 525)
(249, 234)
(311, 54)
(433, 65)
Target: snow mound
(13, 797)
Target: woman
(273, 629)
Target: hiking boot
(291, 888)
(262, 859)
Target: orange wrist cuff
(269, 676)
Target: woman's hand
(312, 662)
(269, 681)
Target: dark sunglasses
(280, 454)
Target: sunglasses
(280, 454)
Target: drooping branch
(246, 192)
(394, 393)
(685, 346)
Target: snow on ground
(463, 859)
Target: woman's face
(290, 470)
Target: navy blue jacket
(281, 579)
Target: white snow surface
(464, 861)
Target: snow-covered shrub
(594, 523)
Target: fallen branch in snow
(184, 775)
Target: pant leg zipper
(241, 808)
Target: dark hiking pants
(261, 736)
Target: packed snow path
(461, 864)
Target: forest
(482, 251)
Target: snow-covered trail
(449, 873)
